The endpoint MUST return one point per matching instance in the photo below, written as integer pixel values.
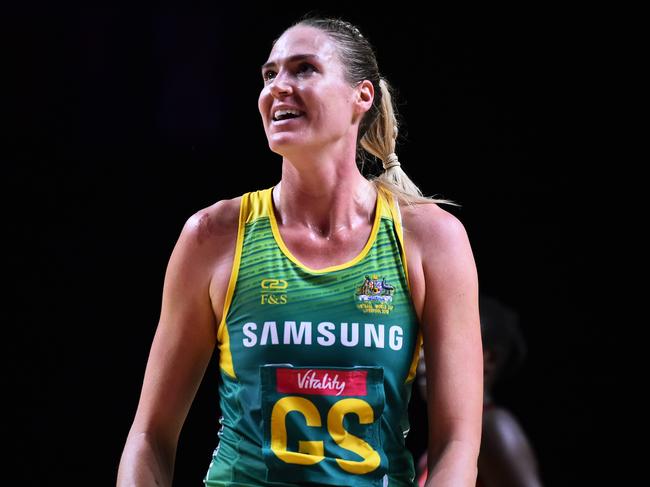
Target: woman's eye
(301, 69)
(305, 65)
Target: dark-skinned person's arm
(507, 458)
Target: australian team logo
(375, 295)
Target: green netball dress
(316, 364)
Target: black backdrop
(126, 122)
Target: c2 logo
(312, 452)
(274, 284)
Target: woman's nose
(281, 86)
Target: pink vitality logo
(324, 382)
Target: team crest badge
(375, 295)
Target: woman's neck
(324, 202)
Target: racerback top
(316, 364)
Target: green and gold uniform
(316, 364)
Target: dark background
(124, 123)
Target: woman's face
(314, 85)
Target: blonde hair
(378, 129)
(380, 140)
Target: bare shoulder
(204, 252)
(432, 230)
(434, 239)
(499, 418)
(213, 224)
(500, 426)
(504, 436)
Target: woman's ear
(364, 96)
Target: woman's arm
(453, 349)
(181, 350)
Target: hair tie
(391, 161)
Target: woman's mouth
(287, 120)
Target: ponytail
(379, 140)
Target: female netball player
(319, 293)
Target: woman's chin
(285, 143)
